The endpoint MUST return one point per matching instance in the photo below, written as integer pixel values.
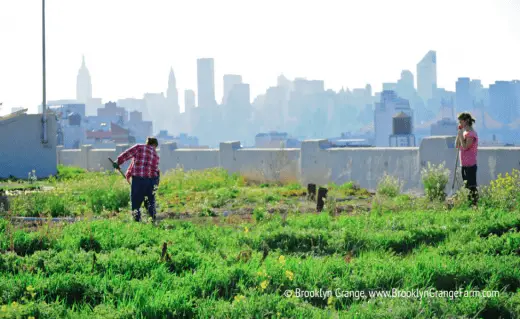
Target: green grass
(114, 267)
(203, 193)
(240, 267)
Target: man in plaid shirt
(145, 174)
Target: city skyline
(120, 69)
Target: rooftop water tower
(402, 129)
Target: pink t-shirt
(468, 157)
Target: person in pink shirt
(467, 142)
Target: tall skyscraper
(206, 82)
(405, 87)
(230, 80)
(463, 97)
(172, 95)
(240, 95)
(83, 84)
(427, 76)
(504, 100)
(189, 100)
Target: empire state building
(83, 84)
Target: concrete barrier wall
(187, 159)
(493, 161)
(316, 161)
(365, 165)
(68, 157)
(267, 164)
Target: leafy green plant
(461, 198)
(259, 214)
(503, 192)
(434, 179)
(389, 186)
(70, 172)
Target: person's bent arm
(126, 155)
(460, 137)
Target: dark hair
(152, 141)
(465, 116)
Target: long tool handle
(119, 170)
(455, 170)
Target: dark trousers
(469, 176)
(142, 188)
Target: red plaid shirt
(145, 161)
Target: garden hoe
(455, 170)
(119, 169)
(454, 175)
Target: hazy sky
(130, 45)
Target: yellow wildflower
(30, 288)
(239, 298)
(261, 273)
(264, 284)
(330, 300)
(281, 259)
(289, 274)
(4, 308)
(246, 230)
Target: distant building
(389, 86)
(73, 134)
(83, 84)
(304, 86)
(230, 80)
(504, 101)
(389, 105)
(240, 95)
(427, 76)
(131, 104)
(189, 100)
(112, 110)
(186, 141)
(70, 129)
(360, 138)
(116, 134)
(276, 140)
(155, 103)
(444, 127)
(359, 142)
(138, 128)
(206, 82)
(163, 136)
(405, 87)
(463, 100)
(172, 95)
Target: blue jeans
(143, 187)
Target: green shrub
(435, 178)
(504, 192)
(461, 198)
(70, 172)
(389, 186)
(259, 213)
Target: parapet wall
(316, 162)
